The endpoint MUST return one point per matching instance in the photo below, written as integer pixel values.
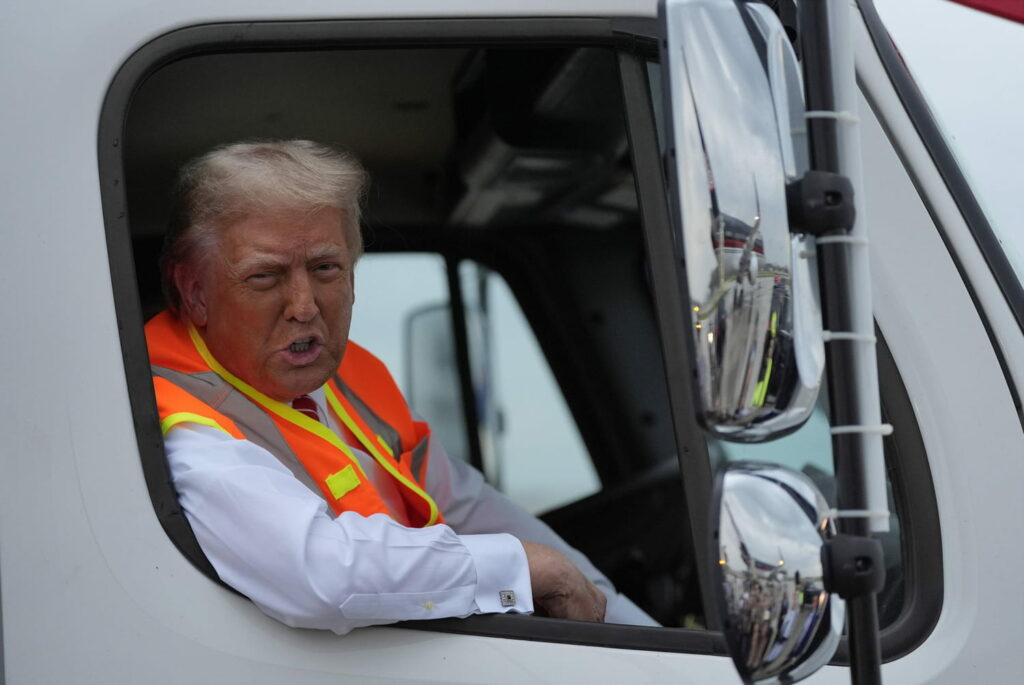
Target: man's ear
(193, 294)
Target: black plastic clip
(852, 565)
(819, 202)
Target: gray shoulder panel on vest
(419, 454)
(255, 424)
(375, 422)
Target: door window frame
(614, 33)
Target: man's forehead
(287, 238)
(254, 252)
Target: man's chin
(298, 382)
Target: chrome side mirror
(769, 525)
(738, 138)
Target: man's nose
(301, 299)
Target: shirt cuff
(502, 573)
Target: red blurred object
(1007, 9)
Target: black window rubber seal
(667, 271)
(977, 222)
(562, 631)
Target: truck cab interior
(516, 157)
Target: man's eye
(329, 267)
(260, 280)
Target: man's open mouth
(302, 345)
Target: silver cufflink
(508, 598)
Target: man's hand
(559, 588)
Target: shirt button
(428, 605)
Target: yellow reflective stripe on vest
(279, 408)
(342, 482)
(339, 409)
(385, 445)
(173, 420)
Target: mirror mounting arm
(820, 202)
(852, 565)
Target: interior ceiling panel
(484, 138)
(391, 108)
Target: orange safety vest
(191, 386)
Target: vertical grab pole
(850, 367)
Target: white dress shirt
(274, 540)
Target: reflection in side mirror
(768, 528)
(737, 122)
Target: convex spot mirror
(737, 136)
(769, 525)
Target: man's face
(274, 303)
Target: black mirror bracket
(820, 202)
(852, 565)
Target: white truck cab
(526, 283)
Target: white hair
(238, 180)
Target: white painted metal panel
(972, 436)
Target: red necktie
(307, 406)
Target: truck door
(518, 153)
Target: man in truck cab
(310, 485)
